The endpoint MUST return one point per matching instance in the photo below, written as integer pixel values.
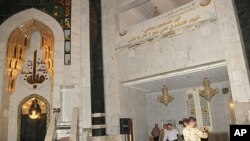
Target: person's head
(164, 126)
(156, 125)
(185, 122)
(169, 126)
(192, 122)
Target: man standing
(171, 134)
(191, 133)
(156, 132)
(162, 134)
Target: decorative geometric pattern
(205, 111)
(191, 105)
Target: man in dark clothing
(156, 132)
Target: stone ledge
(102, 138)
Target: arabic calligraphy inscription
(34, 73)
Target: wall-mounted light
(207, 92)
(165, 98)
(231, 104)
(35, 110)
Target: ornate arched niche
(18, 44)
(25, 118)
(14, 46)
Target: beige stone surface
(242, 110)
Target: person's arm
(201, 134)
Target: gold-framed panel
(19, 43)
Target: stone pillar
(96, 69)
(242, 112)
(5, 98)
(237, 64)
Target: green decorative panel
(96, 66)
(58, 9)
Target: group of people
(168, 133)
(190, 131)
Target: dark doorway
(33, 129)
(33, 118)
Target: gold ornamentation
(207, 92)
(123, 33)
(185, 18)
(35, 110)
(34, 73)
(19, 43)
(165, 98)
(205, 2)
(67, 8)
(191, 105)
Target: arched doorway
(33, 118)
(10, 102)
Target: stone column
(242, 112)
(237, 63)
(96, 69)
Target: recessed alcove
(33, 125)
(181, 83)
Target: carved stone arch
(9, 25)
(6, 28)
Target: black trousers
(156, 138)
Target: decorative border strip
(67, 32)
(98, 126)
(98, 115)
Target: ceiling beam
(130, 5)
(175, 73)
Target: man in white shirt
(171, 133)
(164, 133)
